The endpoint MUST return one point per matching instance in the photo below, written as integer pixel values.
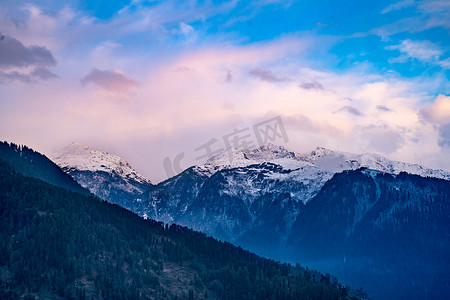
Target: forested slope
(57, 243)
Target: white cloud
(179, 111)
(186, 28)
(421, 50)
(382, 139)
(424, 51)
(427, 14)
(398, 5)
(439, 111)
(445, 63)
(438, 114)
(187, 96)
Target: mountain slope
(270, 199)
(56, 243)
(260, 198)
(248, 197)
(252, 197)
(33, 164)
(105, 175)
(232, 204)
(396, 226)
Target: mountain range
(327, 208)
(234, 195)
(58, 241)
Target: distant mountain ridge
(338, 161)
(271, 200)
(31, 163)
(239, 195)
(388, 233)
(235, 195)
(325, 159)
(56, 244)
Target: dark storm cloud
(110, 80)
(266, 75)
(14, 54)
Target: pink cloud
(253, 54)
(438, 111)
(111, 80)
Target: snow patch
(84, 158)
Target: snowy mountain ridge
(338, 161)
(233, 158)
(325, 160)
(276, 202)
(106, 175)
(84, 158)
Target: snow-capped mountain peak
(338, 161)
(269, 152)
(229, 158)
(326, 160)
(234, 158)
(84, 158)
(321, 151)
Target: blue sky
(151, 79)
(360, 31)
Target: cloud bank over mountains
(167, 77)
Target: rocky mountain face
(249, 197)
(253, 197)
(386, 232)
(252, 205)
(377, 223)
(56, 243)
(105, 175)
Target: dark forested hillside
(57, 243)
(388, 233)
(31, 163)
